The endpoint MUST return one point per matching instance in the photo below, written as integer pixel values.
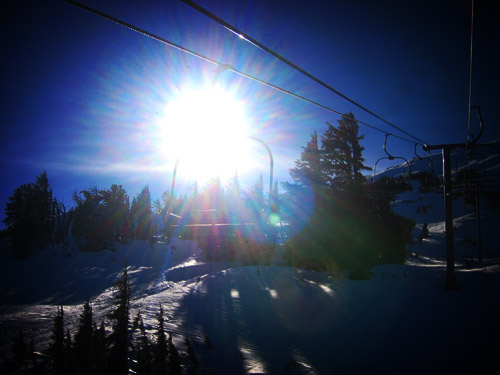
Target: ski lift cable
(254, 42)
(219, 64)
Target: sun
(206, 130)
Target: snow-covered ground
(280, 320)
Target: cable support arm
(481, 126)
(385, 147)
(416, 153)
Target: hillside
(275, 319)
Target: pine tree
(42, 209)
(119, 339)
(141, 209)
(84, 348)
(31, 349)
(256, 201)
(174, 359)
(342, 158)
(68, 351)
(57, 344)
(342, 201)
(89, 219)
(19, 349)
(212, 194)
(308, 169)
(143, 349)
(116, 207)
(32, 356)
(191, 356)
(160, 357)
(30, 217)
(233, 192)
(100, 348)
(208, 343)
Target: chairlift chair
(391, 157)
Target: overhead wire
(256, 43)
(224, 66)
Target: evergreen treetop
(342, 160)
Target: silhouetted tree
(352, 225)
(233, 194)
(119, 339)
(30, 216)
(84, 339)
(256, 201)
(160, 356)
(342, 160)
(308, 169)
(143, 349)
(101, 216)
(100, 348)
(208, 343)
(116, 206)
(212, 194)
(141, 210)
(191, 356)
(69, 357)
(308, 176)
(19, 349)
(57, 344)
(174, 359)
(89, 218)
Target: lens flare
(206, 130)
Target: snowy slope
(280, 320)
(429, 207)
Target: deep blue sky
(79, 94)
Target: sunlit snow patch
(188, 263)
(253, 364)
(323, 287)
(273, 293)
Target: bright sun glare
(207, 131)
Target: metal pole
(172, 187)
(451, 281)
(478, 218)
(271, 164)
